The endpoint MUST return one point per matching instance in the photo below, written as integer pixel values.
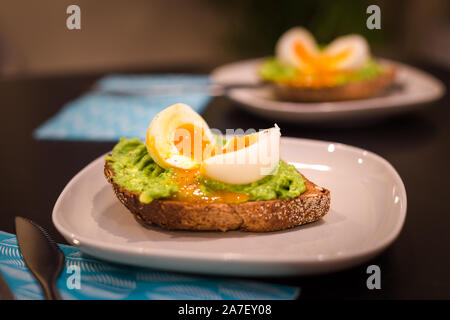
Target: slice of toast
(255, 216)
(350, 91)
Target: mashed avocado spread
(136, 171)
(273, 70)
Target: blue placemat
(102, 280)
(101, 117)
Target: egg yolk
(319, 70)
(192, 142)
(190, 190)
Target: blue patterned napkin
(102, 117)
(102, 280)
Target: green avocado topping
(284, 183)
(135, 170)
(274, 70)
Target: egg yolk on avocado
(180, 140)
(189, 190)
(191, 141)
(320, 66)
(320, 70)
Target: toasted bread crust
(350, 91)
(255, 216)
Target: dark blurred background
(140, 34)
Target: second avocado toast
(343, 70)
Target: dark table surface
(417, 265)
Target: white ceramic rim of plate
(243, 95)
(83, 241)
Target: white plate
(368, 208)
(413, 88)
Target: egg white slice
(248, 164)
(161, 136)
(285, 49)
(353, 50)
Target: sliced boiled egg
(178, 137)
(298, 48)
(245, 159)
(348, 53)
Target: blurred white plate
(413, 88)
(368, 208)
